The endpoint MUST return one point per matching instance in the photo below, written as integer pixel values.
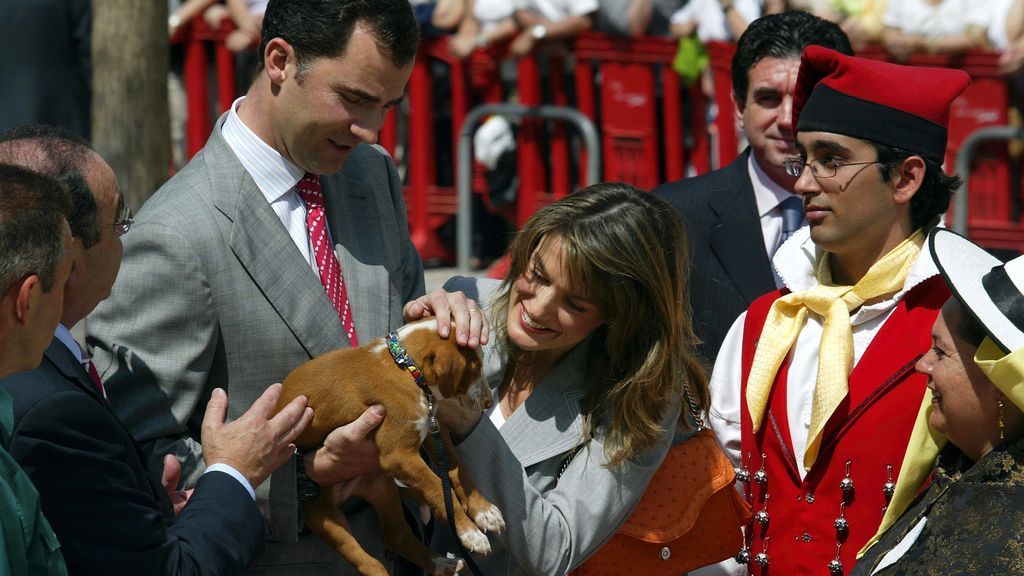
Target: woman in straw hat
(969, 519)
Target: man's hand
(348, 451)
(169, 479)
(471, 327)
(256, 443)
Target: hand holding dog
(349, 451)
(471, 327)
(258, 442)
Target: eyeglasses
(124, 219)
(819, 169)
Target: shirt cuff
(220, 467)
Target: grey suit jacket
(553, 523)
(213, 293)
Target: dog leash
(404, 360)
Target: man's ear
(737, 108)
(27, 293)
(276, 56)
(907, 179)
(78, 271)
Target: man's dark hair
(323, 28)
(32, 208)
(781, 36)
(932, 199)
(59, 154)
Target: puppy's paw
(475, 541)
(490, 519)
(447, 566)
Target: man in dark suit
(35, 261)
(110, 515)
(285, 238)
(734, 215)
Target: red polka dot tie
(326, 260)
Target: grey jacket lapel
(269, 256)
(549, 423)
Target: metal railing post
(463, 220)
(963, 166)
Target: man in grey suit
(228, 277)
(735, 215)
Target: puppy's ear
(444, 369)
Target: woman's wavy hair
(625, 250)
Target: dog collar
(404, 360)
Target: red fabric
(870, 429)
(95, 376)
(326, 259)
(922, 91)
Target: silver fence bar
(463, 220)
(963, 166)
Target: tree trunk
(130, 116)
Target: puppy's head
(451, 371)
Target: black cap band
(828, 110)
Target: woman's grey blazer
(553, 524)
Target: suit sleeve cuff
(234, 474)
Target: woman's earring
(1002, 421)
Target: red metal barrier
(653, 129)
(198, 37)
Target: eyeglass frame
(124, 220)
(791, 164)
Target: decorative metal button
(835, 567)
(889, 488)
(743, 557)
(761, 477)
(742, 474)
(761, 517)
(665, 553)
(761, 559)
(806, 537)
(810, 498)
(841, 524)
(846, 484)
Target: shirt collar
(273, 174)
(64, 335)
(796, 258)
(767, 193)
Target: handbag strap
(697, 420)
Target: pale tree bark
(130, 116)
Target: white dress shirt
(768, 196)
(276, 178)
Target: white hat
(989, 290)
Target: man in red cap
(814, 392)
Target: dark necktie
(326, 260)
(95, 377)
(792, 216)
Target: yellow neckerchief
(835, 356)
(1006, 371)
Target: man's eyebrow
(364, 95)
(821, 145)
(765, 91)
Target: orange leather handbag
(690, 516)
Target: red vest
(869, 429)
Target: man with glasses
(814, 394)
(109, 512)
(737, 216)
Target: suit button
(665, 553)
(805, 537)
(809, 498)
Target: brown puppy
(340, 385)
